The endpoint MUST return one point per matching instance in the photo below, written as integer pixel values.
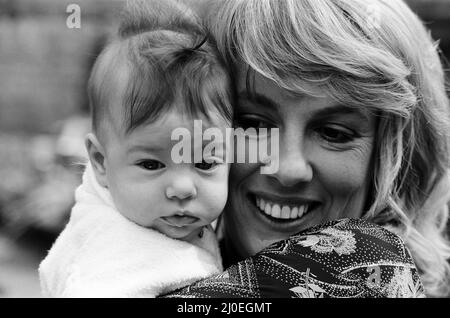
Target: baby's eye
(151, 164)
(336, 134)
(206, 165)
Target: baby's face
(150, 189)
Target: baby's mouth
(180, 220)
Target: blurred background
(44, 66)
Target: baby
(141, 223)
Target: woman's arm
(344, 258)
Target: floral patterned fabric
(344, 258)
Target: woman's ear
(97, 154)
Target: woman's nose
(181, 188)
(294, 165)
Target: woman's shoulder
(345, 244)
(343, 258)
(349, 258)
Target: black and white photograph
(242, 150)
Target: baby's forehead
(175, 128)
(174, 121)
(164, 130)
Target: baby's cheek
(215, 196)
(138, 202)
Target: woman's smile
(281, 209)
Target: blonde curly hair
(374, 54)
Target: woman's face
(325, 153)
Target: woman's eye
(205, 165)
(336, 135)
(151, 165)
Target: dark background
(44, 67)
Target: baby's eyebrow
(146, 148)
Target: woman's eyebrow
(337, 110)
(257, 98)
(326, 112)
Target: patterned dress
(343, 258)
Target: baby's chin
(185, 233)
(191, 237)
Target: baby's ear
(96, 154)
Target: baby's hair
(166, 59)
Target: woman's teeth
(281, 212)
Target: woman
(357, 91)
(383, 157)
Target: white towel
(100, 253)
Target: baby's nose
(181, 188)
